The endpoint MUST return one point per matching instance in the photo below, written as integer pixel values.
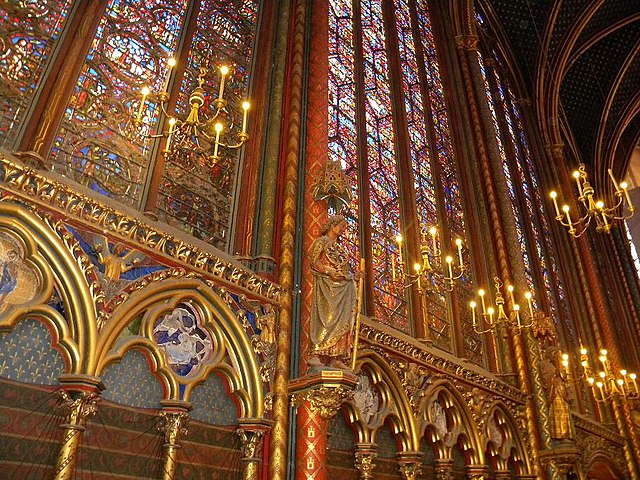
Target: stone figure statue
(557, 395)
(334, 298)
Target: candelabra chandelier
(495, 316)
(595, 210)
(424, 274)
(195, 135)
(606, 383)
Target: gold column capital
(79, 395)
(173, 423)
(556, 150)
(410, 464)
(325, 391)
(251, 433)
(467, 42)
(444, 469)
(477, 472)
(365, 456)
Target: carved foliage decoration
(35, 188)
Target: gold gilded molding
(33, 187)
(400, 350)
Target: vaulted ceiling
(580, 63)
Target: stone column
(251, 434)
(365, 456)
(502, 475)
(410, 465)
(79, 396)
(444, 469)
(317, 397)
(477, 472)
(174, 417)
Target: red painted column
(318, 398)
(311, 455)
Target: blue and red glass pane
(548, 264)
(342, 114)
(28, 33)
(97, 143)
(416, 121)
(194, 194)
(383, 180)
(452, 201)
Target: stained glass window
(430, 152)
(28, 33)
(97, 144)
(452, 219)
(526, 202)
(342, 114)
(382, 171)
(197, 195)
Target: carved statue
(557, 395)
(334, 297)
(267, 326)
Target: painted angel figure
(117, 261)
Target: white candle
(170, 64)
(172, 124)
(565, 208)
(623, 185)
(481, 293)
(576, 175)
(459, 245)
(433, 231)
(553, 196)
(218, 127)
(399, 241)
(613, 180)
(245, 108)
(528, 296)
(224, 70)
(472, 304)
(449, 261)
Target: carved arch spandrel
(394, 405)
(233, 356)
(511, 444)
(73, 335)
(460, 428)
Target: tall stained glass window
(195, 195)
(28, 34)
(98, 143)
(520, 176)
(421, 127)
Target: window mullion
(157, 160)
(364, 207)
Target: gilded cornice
(32, 186)
(597, 429)
(392, 346)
